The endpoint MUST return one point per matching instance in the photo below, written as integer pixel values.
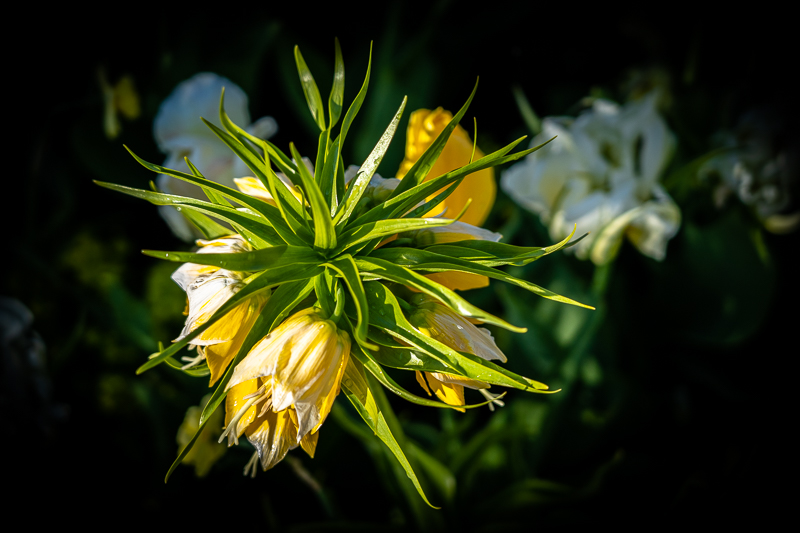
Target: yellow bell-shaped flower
(207, 289)
(439, 322)
(296, 371)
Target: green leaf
(399, 204)
(186, 449)
(283, 198)
(328, 177)
(352, 111)
(423, 165)
(324, 287)
(209, 228)
(386, 314)
(386, 228)
(367, 169)
(275, 217)
(324, 233)
(345, 266)
(252, 222)
(370, 363)
(336, 99)
(526, 110)
(436, 472)
(310, 90)
(386, 270)
(489, 253)
(260, 283)
(430, 262)
(271, 258)
(361, 396)
(293, 215)
(210, 193)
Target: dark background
(697, 395)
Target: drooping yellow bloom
(296, 371)
(207, 289)
(439, 322)
(423, 127)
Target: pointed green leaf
(310, 90)
(324, 234)
(370, 363)
(270, 212)
(423, 165)
(186, 450)
(361, 396)
(336, 99)
(367, 169)
(386, 270)
(386, 228)
(210, 193)
(387, 315)
(424, 260)
(269, 258)
(206, 226)
(291, 213)
(352, 111)
(248, 219)
(346, 268)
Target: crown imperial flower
(371, 270)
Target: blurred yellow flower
(207, 289)
(206, 450)
(121, 98)
(440, 323)
(423, 127)
(296, 371)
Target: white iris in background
(179, 133)
(602, 173)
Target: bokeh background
(676, 400)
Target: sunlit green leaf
(368, 168)
(324, 234)
(386, 270)
(336, 99)
(310, 90)
(424, 260)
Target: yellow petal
(309, 443)
(423, 127)
(273, 435)
(459, 281)
(421, 381)
(449, 393)
(219, 356)
(235, 400)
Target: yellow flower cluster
(280, 394)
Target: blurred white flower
(760, 166)
(180, 133)
(602, 173)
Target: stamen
(192, 361)
(489, 396)
(252, 466)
